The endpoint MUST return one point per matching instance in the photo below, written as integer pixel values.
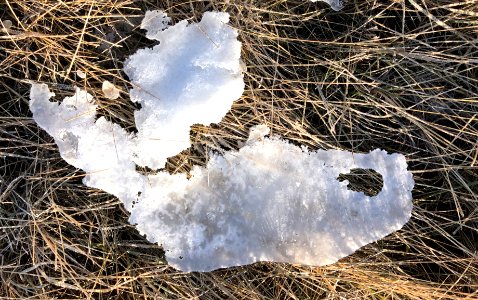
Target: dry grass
(395, 74)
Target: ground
(397, 75)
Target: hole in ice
(146, 170)
(368, 181)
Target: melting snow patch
(268, 201)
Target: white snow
(270, 200)
(100, 148)
(334, 4)
(192, 76)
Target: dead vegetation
(396, 74)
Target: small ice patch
(110, 90)
(154, 22)
(269, 201)
(272, 201)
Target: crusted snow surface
(192, 77)
(272, 201)
(334, 4)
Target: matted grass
(399, 75)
